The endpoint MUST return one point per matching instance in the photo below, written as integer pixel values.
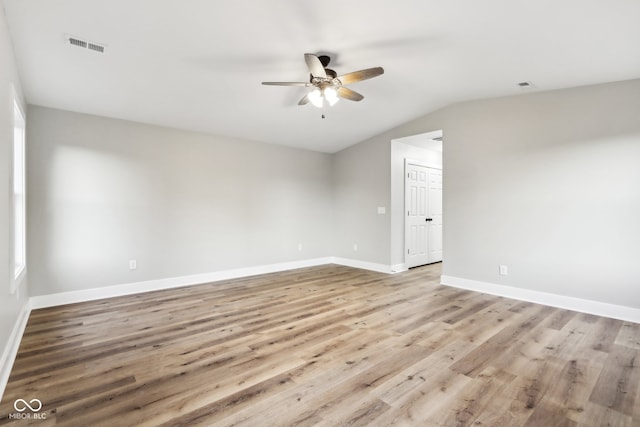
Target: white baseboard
(399, 268)
(8, 356)
(380, 268)
(11, 349)
(42, 301)
(61, 298)
(620, 312)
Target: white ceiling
(198, 64)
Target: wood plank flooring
(327, 346)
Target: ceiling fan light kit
(326, 83)
(317, 96)
(331, 95)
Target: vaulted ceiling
(199, 64)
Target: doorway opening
(416, 200)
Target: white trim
(62, 298)
(398, 268)
(18, 258)
(380, 268)
(13, 343)
(570, 303)
(409, 161)
(613, 311)
(42, 301)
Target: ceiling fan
(326, 82)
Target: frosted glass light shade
(315, 96)
(331, 95)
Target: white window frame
(19, 196)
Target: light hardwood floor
(328, 346)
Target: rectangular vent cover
(526, 85)
(76, 41)
(96, 47)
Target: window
(19, 193)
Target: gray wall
(549, 185)
(362, 182)
(104, 191)
(546, 183)
(361, 185)
(10, 304)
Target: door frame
(404, 147)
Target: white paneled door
(423, 225)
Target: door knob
(429, 219)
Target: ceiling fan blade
(357, 76)
(304, 100)
(349, 94)
(286, 84)
(315, 66)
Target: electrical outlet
(504, 270)
(300, 247)
(355, 247)
(133, 264)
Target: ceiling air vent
(78, 42)
(526, 85)
(96, 47)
